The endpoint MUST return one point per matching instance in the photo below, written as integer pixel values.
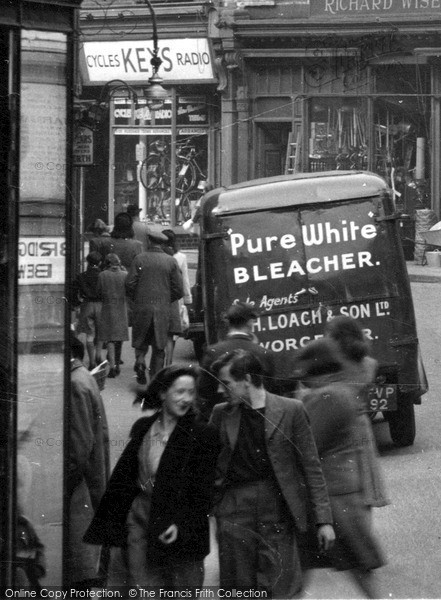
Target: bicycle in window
(155, 176)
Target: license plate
(383, 397)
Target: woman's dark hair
(241, 363)
(172, 240)
(161, 382)
(349, 336)
(319, 357)
(123, 227)
(97, 227)
(94, 259)
(112, 260)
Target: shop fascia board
(295, 52)
(276, 28)
(419, 55)
(173, 30)
(139, 14)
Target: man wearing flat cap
(139, 227)
(154, 281)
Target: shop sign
(182, 60)
(83, 147)
(141, 131)
(191, 110)
(41, 260)
(336, 9)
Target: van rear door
(303, 250)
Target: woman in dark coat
(113, 321)
(333, 409)
(157, 502)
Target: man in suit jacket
(269, 480)
(240, 318)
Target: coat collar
(273, 417)
(76, 363)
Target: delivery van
(303, 249)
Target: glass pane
(143, 172)
(338, 134)
(41, 291)
(402, 133)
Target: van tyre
(402, 422)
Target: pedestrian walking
(139, 227)
(87, 471)
(179, 314)
(113, 323)
(96, 233)
(154, 281)
(240, 319)
(121, 241)
(268, 479)
(85, 296)
(158, 498)
(360, 370)
(333, 410)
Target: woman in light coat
(360, 370)
(178, 308)
(333, 408)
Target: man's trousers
(257, 545)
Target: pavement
(423, 273)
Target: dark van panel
(303, 249)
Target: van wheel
(402, 422)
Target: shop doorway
(272, 143)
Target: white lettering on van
(314, 234)
(313, 265)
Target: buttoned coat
(292, 453)
(113, 321)
(153, 282)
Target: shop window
(338, 134)
(143, 143)
(402, 132)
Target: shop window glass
(143, 160)
(338, 134)
(41, 292)
(402, 132)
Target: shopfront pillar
(229, 147)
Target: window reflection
(41, 302)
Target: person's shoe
(140, 374)
(120, 362)
(112, 373)
(91, 367)
(117, 370)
